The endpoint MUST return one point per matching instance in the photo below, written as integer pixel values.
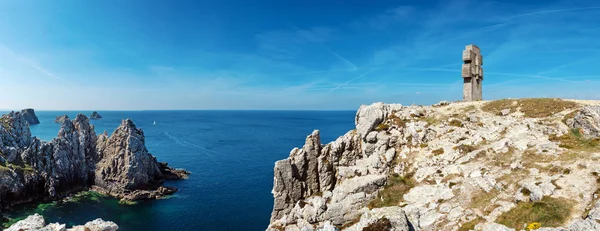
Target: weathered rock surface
(30, 117)
(61, 119)
(37, 223)
(77, 159)
(587, 121)
(95, 116)
(458, 164)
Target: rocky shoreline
(77, 159)
(495, 165)
(37, 223)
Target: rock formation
(447, 167)
(95, 116)
(31, 169)
(472, 73)
(61, 119)
(37, 223)
(127, 169)
(30, 116)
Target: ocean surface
(231, 155)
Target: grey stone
(30, 116)
(472, 73)
(587, 120)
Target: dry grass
(575, 141)
(383, 224)
(470, 225)
(438, 151)
(393, 192)
(464, 148)
(531, 108)
(482, 200)
(350, 223)
(550, 212)
(382, 127)
(456, 123)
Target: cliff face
(31, 169)
(459, 166)
(30, 116)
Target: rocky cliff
(497, 165)
(77, 159)
(30, 116)
(37, 223)
(61, 119)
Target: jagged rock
(37, 223)
(34, 169)
(127, 170)
(450, 173)
(505, 112)
(369, 116)
(95, 116)
(587, 120)
(30, 117)
(61, 119)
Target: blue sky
(296, 54)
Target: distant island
(30, 117)
(95, 116)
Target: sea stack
(95, 116)
(29, 115)
(61, 119)
(75, 160)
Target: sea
(231, 155)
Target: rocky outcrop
(127, 170)
(37, 223)
(29, 115)
(61, 119)
(95, 116)
(443, 167)
(587, 121)
(77, 159)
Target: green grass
(470, 225)
(392, 194)
(531, 108)
(574, 140)
(550, 212)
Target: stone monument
(472, 73)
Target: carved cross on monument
(472, 73)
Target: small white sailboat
(154, 123)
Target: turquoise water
(230, 154)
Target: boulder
(587, 120)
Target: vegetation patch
(392, 194)
(464, 148)
(549, 212)
(531, 108)
(438, 151)
(350, 223)
(383, 224)
(382, 127)
(470, 225)
(456, 123)
(574, 140)
(483, 200)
